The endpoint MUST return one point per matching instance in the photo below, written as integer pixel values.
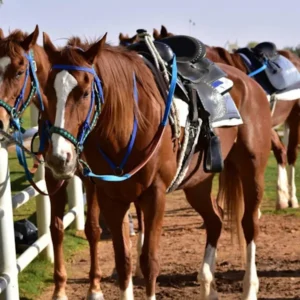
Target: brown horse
(287, 112)
(70, 92)
(13, 66)
(125, 40)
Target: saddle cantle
(266, 49)
(274, 72)
(186, 48)
(196, 76)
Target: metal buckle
(118, 171)
(13, 113)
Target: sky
(216, 21)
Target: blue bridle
(98, 99)
(14, 111)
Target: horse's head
(162, 34)
(15, 71)
(125, 40)
(74, 94)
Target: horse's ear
(121, 36)
(94, 50)
(1, 34)
(163, 31)
(155, 34)
(49, 48)
(31, 39)
(132, 40)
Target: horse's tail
(230, 197)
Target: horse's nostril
(68, 157)
(1, 125)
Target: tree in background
(252, 44)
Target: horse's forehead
(5, 61)
(64, 83)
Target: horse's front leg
(152, 203)
(92, 232)
(58, 202)
(115, 214)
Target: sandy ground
(182, 246)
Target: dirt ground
(182, 246)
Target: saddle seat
(189, 53)
(186, 48)
(266, 49)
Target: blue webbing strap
(114, 178)
(87, 171)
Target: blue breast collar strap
(119, 169)
(169, 100)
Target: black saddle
(266, 50)
(257, 57)
(195, 74)
(186, 48)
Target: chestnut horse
(287, 112)
(15, 50)
(127, 98)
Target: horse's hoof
(95, 296)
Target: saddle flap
(282, 73)
(204, 70)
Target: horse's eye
(19, 73)
(85, 94)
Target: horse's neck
(221, 55)
(238, 62)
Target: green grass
(39, 272)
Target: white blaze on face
(64, 83)
(4, 63)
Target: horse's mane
(221, 55)
(116, 67)
(10, 43)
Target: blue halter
(97, 99)
(14, 111)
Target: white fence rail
(10, 265)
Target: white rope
(273, 97)
(174, 119)
(181, 157)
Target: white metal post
(75, 199)
(34, 114)
(8, 262)
(286, 134)
(43, 213)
